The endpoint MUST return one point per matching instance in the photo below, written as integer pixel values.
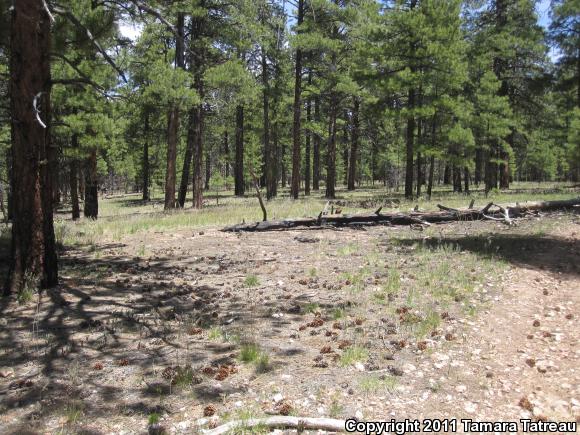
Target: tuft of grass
(215, 334)
(376, 383)
(25, 295)
(184, 377)
(428, 324)
(263, 363)
(153, 418)
(338, 313)
(73, 411)
(249, 353)
(312, 272)
(353, 355)
(251, 281)
(311, 307)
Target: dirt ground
(465, 320)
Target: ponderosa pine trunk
(307, 146)
(410, 146)
(269, 161)
(145, 163)
(207, 170)
(226, 155)
(239, 163)
(173, 123)
(198, 159)
(354, 145)
(73, 179)
(91, 208)
(186, 172)
(296, 133)
(316, 149)
(431, 175)
(33, 261)
(331, 151)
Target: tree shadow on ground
(114, 316)
(551, 253)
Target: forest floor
(169, 325)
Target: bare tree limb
(300, 423)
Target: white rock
(277, 398)
(470, 407)
(359, 366)
(461, 388)
(358, 414)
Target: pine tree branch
(73, 19)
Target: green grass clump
(353, 355)
(215, 334)
(428, 324)
(249, 353)
(251, 281)
(376, 383)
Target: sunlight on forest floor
(127, 214)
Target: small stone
(6, 372)
(470, 407)
(536, 323)
(359, 366)
(461, 388)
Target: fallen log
(282, 422)
(491, 211)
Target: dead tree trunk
(33, 261)
(198, 159)
(446, 214)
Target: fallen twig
(300, 423)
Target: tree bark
(295, 186)
(226, 155)
(198, 158)
(410, 146)
(307, 151)
(91, 208)
(431, 173)
(73, 180)
(269, 161)
(33, 261)
(239, 164)
(354, 144)
(146, 195)
(173, 123)
(331, 150)
(207, 170)
(316, 150)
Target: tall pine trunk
(331, 150)
(73, 179)
(354, 144)
(239, 163)
(308, 141)
(145, 187)
(226, 155)
(198, 158)
(410, 146)
(296, 133)
(173, 123)
(316, 150)
(91, 209)
(269, 161)
(33, 261)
